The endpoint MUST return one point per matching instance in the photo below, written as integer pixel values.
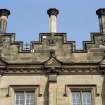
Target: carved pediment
(52, 61)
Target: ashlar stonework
(51, 71)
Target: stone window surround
(93, 88)
(13, 88)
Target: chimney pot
(101, 15)
(52, 12)
(4, 13)
(100, 11)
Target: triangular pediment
(52, 62)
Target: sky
(77, 18)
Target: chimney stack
(4, 13)
(101, 15)
(53, 12)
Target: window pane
(19, 98)
(30, 98)
(76, 98)
(25, 98)
(86, 96)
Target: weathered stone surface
(52, 66)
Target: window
(25, 98)
(81, 97)
(51, 42)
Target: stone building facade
(51, 71)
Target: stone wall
(59, 91)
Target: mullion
(81, 99)
(24, 98)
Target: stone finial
(53, 11)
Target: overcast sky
(29, 18)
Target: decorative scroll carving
(52, 62)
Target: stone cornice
(51, 66)
(87, 69)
